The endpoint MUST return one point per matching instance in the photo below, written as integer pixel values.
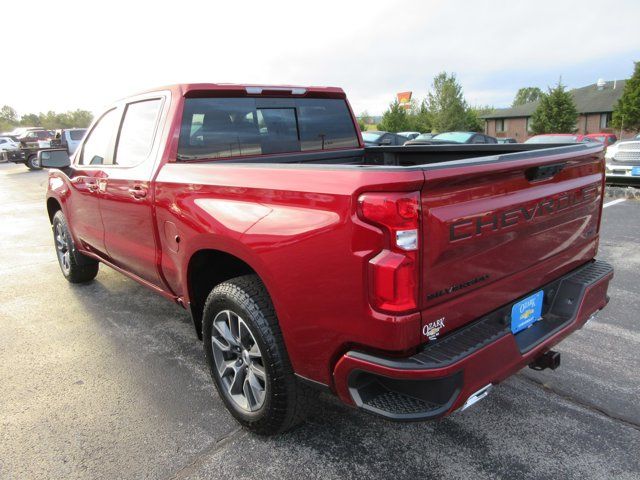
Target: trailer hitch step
(549, 359)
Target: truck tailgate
(490, 224)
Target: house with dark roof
(594, 103)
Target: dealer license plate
(526, 312)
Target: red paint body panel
(298, 228)
(489, 365)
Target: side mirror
(54, 158)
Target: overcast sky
(85, 54)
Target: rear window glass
(371, 137)
(77, 135)
(231, 127)
(459, 137)
(553, 139)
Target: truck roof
(196, 89)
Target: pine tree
(626, 113)
(446, 104)
(556, 113)
(395, 119)
(419, 118)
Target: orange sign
(404, 99)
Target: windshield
(553, 139)
(458, 137)
(424, 136)
(371, 136)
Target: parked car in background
(19, 131)
(507, 140)
(36, 136)
(560, 138)
(606, 138)
(7, 143)
(453, 138)
(31, 140)
(380, 139)
(420, 138)
(409, 135)
(623, 163)
(68, 138)
(9, 135)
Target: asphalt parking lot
(108, 380)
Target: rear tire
(76, 267)
(248, 360)
(33, 163)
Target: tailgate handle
(543, 172)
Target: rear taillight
(393, 273)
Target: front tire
(76, 267)
(247, 358)
(33, 163)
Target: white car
(623, 162)
(6, 143)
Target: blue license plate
(526, 312)
(635, 171)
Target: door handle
(138, 192)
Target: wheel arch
(53, 206)
(206, 269)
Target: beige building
(594, 103)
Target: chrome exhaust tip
(476, 397)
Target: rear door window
(231, 127)
(137, 132)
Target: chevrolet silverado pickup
(405, 280)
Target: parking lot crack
(202, 457)
(587, 406)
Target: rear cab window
(233, 127)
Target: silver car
(624, 164)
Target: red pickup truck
(405, 280)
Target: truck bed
(419, 155)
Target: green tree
(79, 118)
(446, 104)
(30, 120)
(419, 117)
(366, 118)
(526, 95)
(475, 122)
(49, 120)
(8, 115)
(626, 113)
(395, 119)
(362, 125)
(556, 113)
(5, 126)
